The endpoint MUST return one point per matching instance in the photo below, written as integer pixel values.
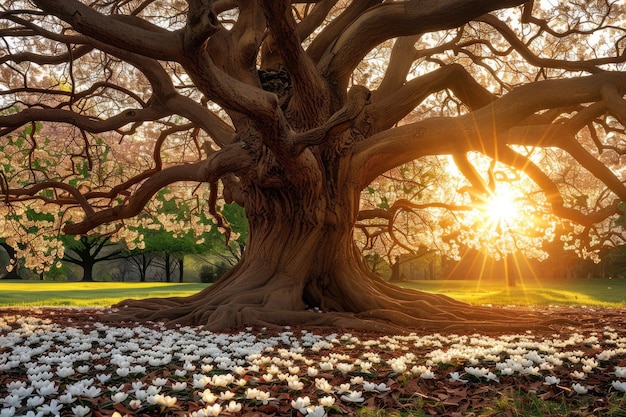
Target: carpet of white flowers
(65, 362)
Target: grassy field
(86, 294)
(591, 292)
(578, 292)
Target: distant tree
(168, 235)
(141, 261)
(89, 250)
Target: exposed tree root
(374, 306)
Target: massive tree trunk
(302, 267)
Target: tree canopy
(304, 113)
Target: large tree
(297, 107)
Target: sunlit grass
(86, 294)
(577, 292)
(581, 292)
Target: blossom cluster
(69, 369)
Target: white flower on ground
(353, 397)
(295, 385)
(135, 404)
(12, 400)
(80, 411)
(345, 367)
(312, 371)
(208, 397)
(476, 372)
(492, 377)
(159, 382)
(7, 412)
(67, 398)
(152, 390)
(179, 386)
(343, 388)
(23, 392)
(619, 385)
(136, 386)
(165, 400)
(326, 366)
(551, 380)
(91, 392)
(118, 397)
(398, 366)
(141, 395)
(456, 377)
(323, 385)
(211, 410)
(65, 371)
(301, 402)
(47, 389)
(372, 386)
(327, 401)
(620, 371)
(53, 408)
(578, 375)
(316, 411)
(257, 395)
(428, 374)
(34, 401)
(226, 396)
(580, 389)
(233, 407)
(104, 378)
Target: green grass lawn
(575, 292)
(86, 294)
(585, 292)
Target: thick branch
(330, 33)
(87, 123)
(551, 191)
(315, 18)
(402, 204)
(389, 108)
(47, 59)
(395, 19)
(310, 91)
(478, 130)
(159, 44)
(401, 60)
(228, 160)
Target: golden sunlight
(501, 207)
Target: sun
(501, 208)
